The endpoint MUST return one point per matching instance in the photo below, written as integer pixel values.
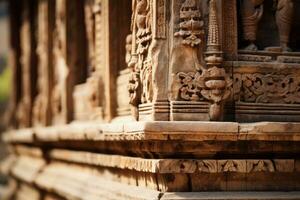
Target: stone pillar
(42, 103)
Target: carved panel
(192, 78)
(187, 85)
(267, 88)
(160, 18)
(232, 166)
(140, 83)
(260, 166)
(229, 25)
(207, 166)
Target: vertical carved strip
(42, 109)
(160, 19)
(28, 62)
(229, 34)
(141, 63)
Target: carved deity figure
(140, 60)
(252, 11)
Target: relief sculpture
(208, 81)
(267, 88)
(140, 83)
(188, 83)
(252, 11)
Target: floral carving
(209, 82)
(267, 88)
(191, 84)
(191, 25)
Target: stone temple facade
(154, 99)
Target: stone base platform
(156, 160)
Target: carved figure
(252, 11)
(140, 83)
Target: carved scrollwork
(192, 84)
(267, 88)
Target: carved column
(69, 57)
(28, 62)
(149, 58)
(170, 79)
(91, 91)
(14, 61)
(217, 84)
(42, 103)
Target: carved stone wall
(153, 99)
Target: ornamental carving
(207, 166)
(252, 12)
(210, 81)
(260, 166)
(191, 84)
(217, 82)
(191, 24)
(267, 88)
(140, 64)
(231, 166)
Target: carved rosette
(217, 82)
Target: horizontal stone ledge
(164, 166)
(69, 179)
(138, 131)
(231, 196)
(25, 158)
